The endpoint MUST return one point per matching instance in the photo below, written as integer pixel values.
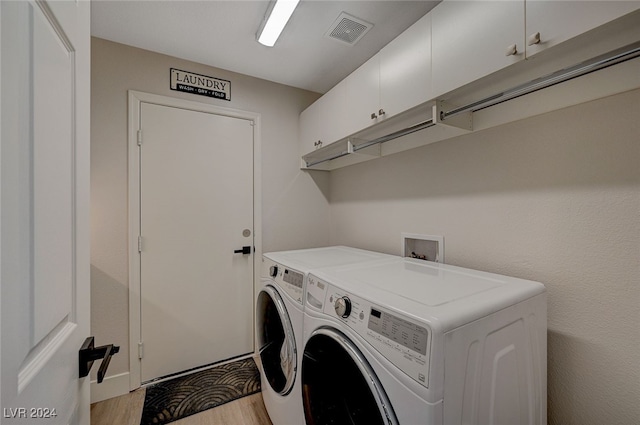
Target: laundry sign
(189, 82)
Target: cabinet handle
(511, 50)
(533, 39)
(373, 116)
(381, 112)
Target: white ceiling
(223, 34)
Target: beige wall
(295, 210)
(553, 198)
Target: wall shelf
(459, 120)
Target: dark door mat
(181, 397)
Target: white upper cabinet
(458, 43)
(324, 121)
(362, 89)
(551, 22)
(405, 69)
(472, 39)
(393, 81)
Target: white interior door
(44, 210)
(196, 208)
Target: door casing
(135, 99)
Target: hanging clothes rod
(329, 158)
(416, 127)
(396, 134)
(614, 57)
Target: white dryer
(279, 317)
(412, 342)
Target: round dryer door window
(276, 341)
(338, 384)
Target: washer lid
(305, 260)
(431, 291)
(431, 286)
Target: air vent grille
(348, 29)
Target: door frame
(135, 100)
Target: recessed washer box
(423, 247)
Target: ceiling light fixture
(278, 18)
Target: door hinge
(139, 137)
(140, 350)
(139, 243)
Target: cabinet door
(557, 21)
(323, 122)
(471, 39)
(405, 69)
(362, 88)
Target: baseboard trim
(112, 386)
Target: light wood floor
(127, 410)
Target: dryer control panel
(402, 340)
(291, 281)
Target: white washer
(413, 342)
(279, 316)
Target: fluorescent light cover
(278, 18)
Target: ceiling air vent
(348, 29)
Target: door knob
(89, 353)
(245, 250)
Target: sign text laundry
(189, 82)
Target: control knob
(343, 307)
(273, 271)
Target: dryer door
(276, 341)
(338, 384)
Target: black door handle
(89, 352)
(245, 250)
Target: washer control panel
(403, 341)
(401, 331)
(291, 281)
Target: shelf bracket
(372, 151)
(463, 120)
